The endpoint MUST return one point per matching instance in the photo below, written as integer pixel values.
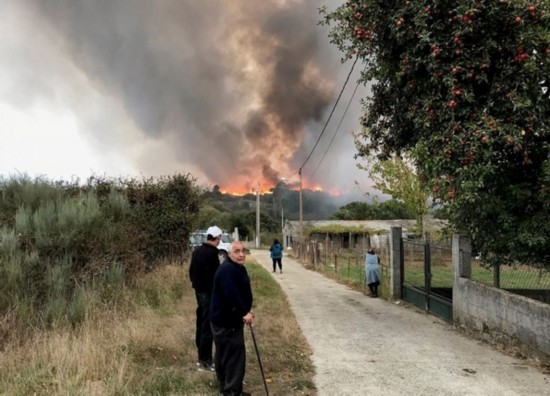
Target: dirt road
(367, 346)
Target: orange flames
(267, 189)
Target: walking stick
(259, 360)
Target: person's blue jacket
(231, 296)
(276, 251)
(372, 268)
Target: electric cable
(336, 131)
(332, 112)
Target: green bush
(65, 248)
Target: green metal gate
(428, 277)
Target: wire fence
(348, 266)
(441, 264)
(525, 280)
(528, 281)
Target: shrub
(65, 248)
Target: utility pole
(301, 207)
(258, 216)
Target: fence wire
(528, 281)
(348, 265)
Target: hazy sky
(230, 91)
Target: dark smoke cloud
(239, 88)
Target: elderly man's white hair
(235, 243)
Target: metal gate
(427, 275)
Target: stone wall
(495, 314)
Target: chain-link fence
(528, 281)
(345, 264)
(413, 263)
(348, 265)
(428, 265)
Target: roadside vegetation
(94, 297)
(144, 345)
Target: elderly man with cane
(230, 310)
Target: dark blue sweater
(204, 264)
(231, 296)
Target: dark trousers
(230, 359)
(203, 334)
(277, 261)
(374, 288)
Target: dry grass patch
(145, 346)
(284, 351)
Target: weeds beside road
(145, 346)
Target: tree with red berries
(462, 88)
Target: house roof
(293, 227)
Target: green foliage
(246, 223)
(397, 178)
(342, 229)
(387, 210)
(64, 248)
(208, 215)
(243, 224)
(163, 212)
(462, 88)
(16, 191)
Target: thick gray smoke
(239, 89)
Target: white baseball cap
(214, 231)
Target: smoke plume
(238, 90)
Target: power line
(336, 131)
(333, 108)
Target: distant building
(349, 234)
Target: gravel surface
(364, 345)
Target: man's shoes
(205, 366)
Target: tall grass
(78, 313)
(100, 355)
(144, 345)
(54, 253)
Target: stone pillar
(396, 253)
(462, 256)
(462, 268)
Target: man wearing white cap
(204, 263)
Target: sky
(233, 92)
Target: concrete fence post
(462, 256)
(396, 277)
(462, 268)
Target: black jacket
(231, 297)
(204, 263)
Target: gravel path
(372, 346)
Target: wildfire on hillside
(267, 189)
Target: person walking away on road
(277, 255)
(204, 263)
(230, 310)
(372, 270)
